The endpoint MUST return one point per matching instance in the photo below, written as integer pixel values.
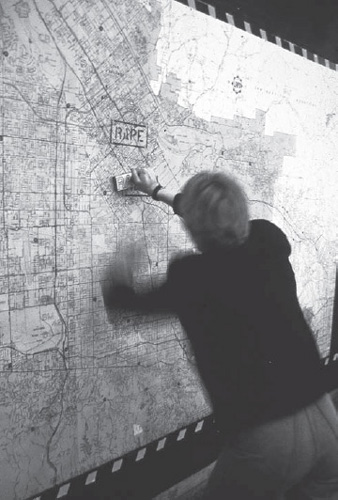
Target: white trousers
(297, 453)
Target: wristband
(155, 191)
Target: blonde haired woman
(237, 301)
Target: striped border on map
(85, 486)
(219, 13)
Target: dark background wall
(312, 24)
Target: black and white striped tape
(64, 491)
(219, 13)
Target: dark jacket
(254, 350)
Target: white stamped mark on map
(137, 429)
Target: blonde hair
(215, 210)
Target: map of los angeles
(89, 88)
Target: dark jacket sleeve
(160, 299)
(268, 240)
(176, 204)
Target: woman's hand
(144, 180)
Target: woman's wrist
(155, 191)
(165, 196)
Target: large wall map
(89, 88)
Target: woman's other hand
(121, 270)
